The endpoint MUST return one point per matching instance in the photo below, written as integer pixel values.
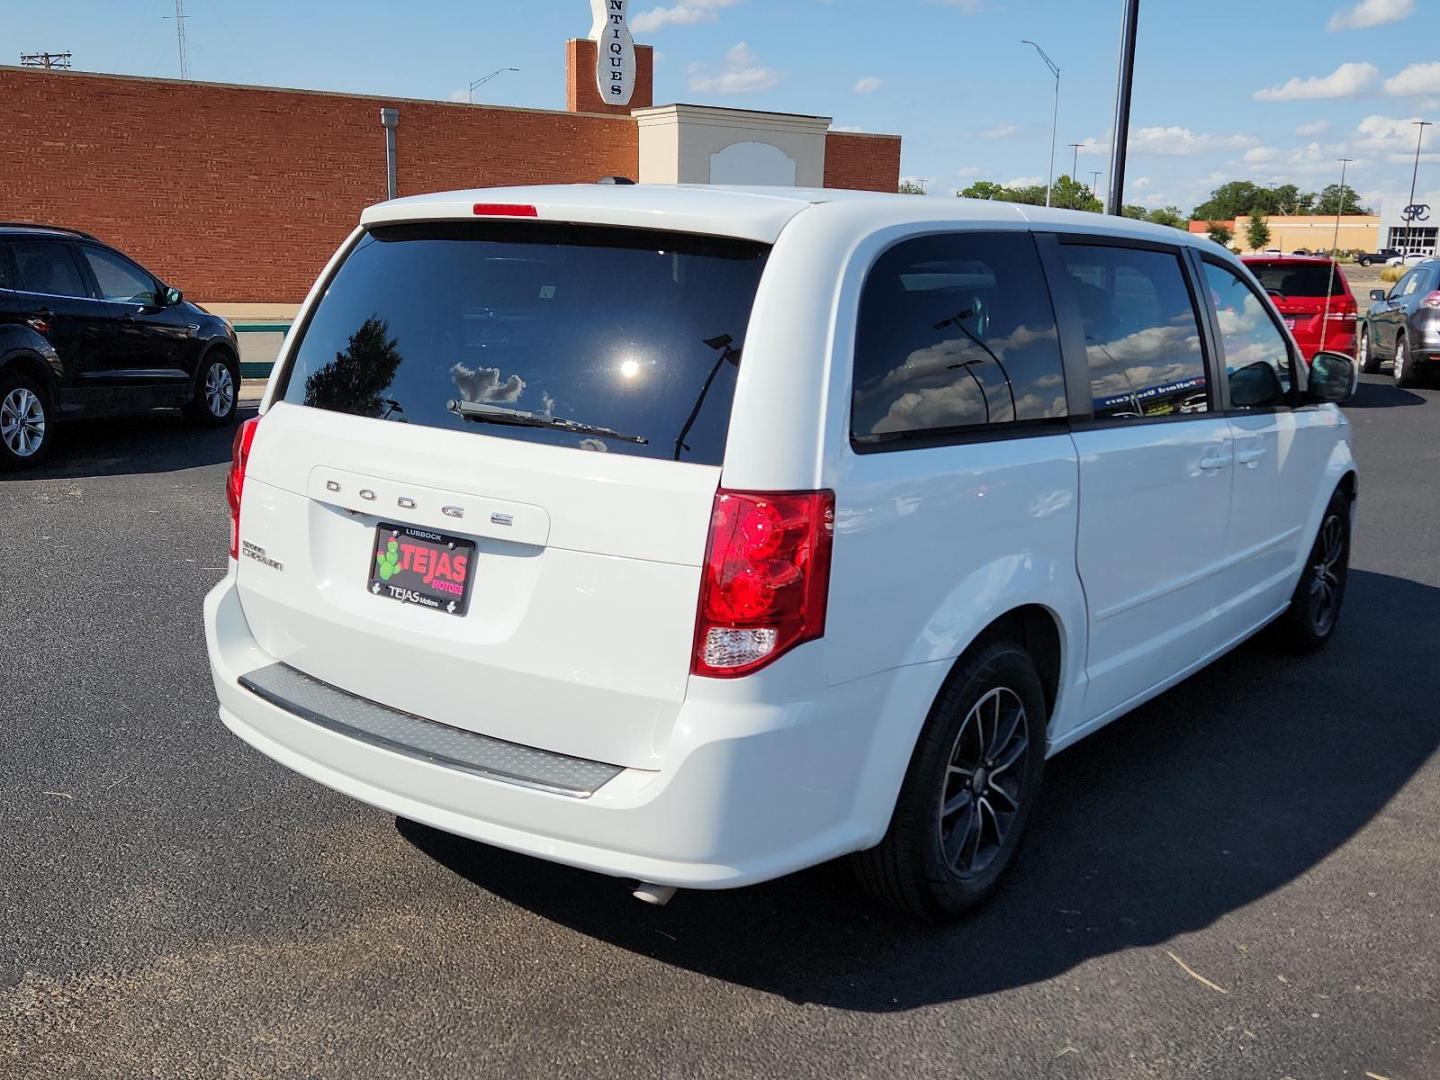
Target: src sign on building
(615, 55)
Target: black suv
(85, 331)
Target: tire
(1365, 358)
(1406, 373)
(1363, 262)
(217, 390)
(1314, 611)
(27, 428)
(993, 692)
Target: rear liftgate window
(609, 340)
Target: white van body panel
(582, 645)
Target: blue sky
(1270, 90)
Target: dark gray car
(1403, 325)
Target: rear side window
(1299, 279)
(7, 269)
(610, 340)
(955, 332)
(45, 266)
(1142, 336)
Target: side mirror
(1255, 386)
(1333, 377)
(171, 297)
(1377, 294)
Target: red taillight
(765, 580)
(483, 209)
(1432, 301)
(235, 482)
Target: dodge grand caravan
(698, 535)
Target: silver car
(1403, 325)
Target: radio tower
(180, 18)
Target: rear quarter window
(463, 325)
(955, 334)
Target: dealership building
(241, 193)
(1417, 236)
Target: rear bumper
(749, 789)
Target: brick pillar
(581, 94)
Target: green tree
(1071, 194)
(356, 380)
(1132, 210)
(983, 189)
(1257, 232)
(911, 187)
(1329, 201)
(1219, 232)
(1230, 200)
(1167, 215)
(1067, 193)
(1288, 199)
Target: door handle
(1214, 462)
(1250, 457)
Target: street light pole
(486, 78)
(1414, 173)
(1124, 81)
(1054, 119)
(1075, 160)
(1334, 248)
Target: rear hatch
(1313, 297)
(483, 490)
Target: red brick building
(240, 193)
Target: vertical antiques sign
(615, 55)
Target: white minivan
(696, 535)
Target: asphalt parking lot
(1238, 880)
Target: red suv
(1313, 296)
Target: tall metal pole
(1414, 173)
(1120, 139)
(1334, 247)
(1075, 160)
(1095, 182)
(390, 120)
(1054, 119)
(180, 39)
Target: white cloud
(846, 127)
(741, 73)
(1315, 127)
(686, 13)
(968, 172)
(1177, 141)
(1260, 153)
(460, 95)
(1023, 181)
(1001, 131)
(1140, 182)
(1391, 136)
(1368, 13)
(868, 85)
(1347, 80)
(1415, 79)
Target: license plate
(1289, 324)
(420, 567)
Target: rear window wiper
(483, 413)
